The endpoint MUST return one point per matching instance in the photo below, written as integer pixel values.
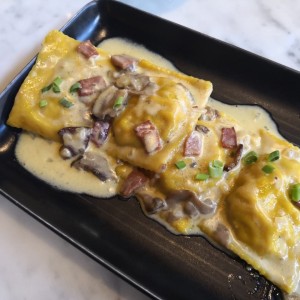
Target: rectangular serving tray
(115, 232)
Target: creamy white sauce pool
(251, 117)
(42, 158)
(123, 46)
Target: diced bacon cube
(193, 144)
(87, 49)
(149, 136)
(228, 138)
(91, 85)
(135, 180)
(123, 61)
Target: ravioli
(261, 217)
(56, 58)
(148, 131)
(168, 110)
(172, 178)
(59, 58)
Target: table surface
(34, 262)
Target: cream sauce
(42, 158)
(124, 46)
(250, 117)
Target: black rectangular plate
(115, 232)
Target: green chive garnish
(250, 158)
(180, 164)
(268, 169)
(54, 85)
(275, 155)
(201, 176)
(75, 87)
(295, 192)
(55, 88)
(43, 103)
(118, 103)
(215, 169)
(65, 103)
(46, 88)
(57, 81)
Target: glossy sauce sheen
(42, 158)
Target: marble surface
(34, 262)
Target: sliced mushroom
(184, 196)
(180, 196)
(100, 132)
(104, 102)
(96, 164)
(75, 140)
(110, 103)
(132, 81)
(136, 84)
(149, 90)
(209, 114)
(191, 210)
(207, 206)
(193, 165)
(202, 129)
(113, 75)
(221, 235)
(174, 215)
(151, 204)
(236, 158)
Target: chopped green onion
(43, 103)
(54, 85)
(250, 158)
(201, 176)
(118, 103)
(268, 169)
(65, 103)
(275, 155)
(76, 86)
(46, 88)
(295, 192)
(55, 88)
(180, 164)
(217, 163)
(215, 169)
(57, 81)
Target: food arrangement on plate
(107, 124)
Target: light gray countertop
(34, 262)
